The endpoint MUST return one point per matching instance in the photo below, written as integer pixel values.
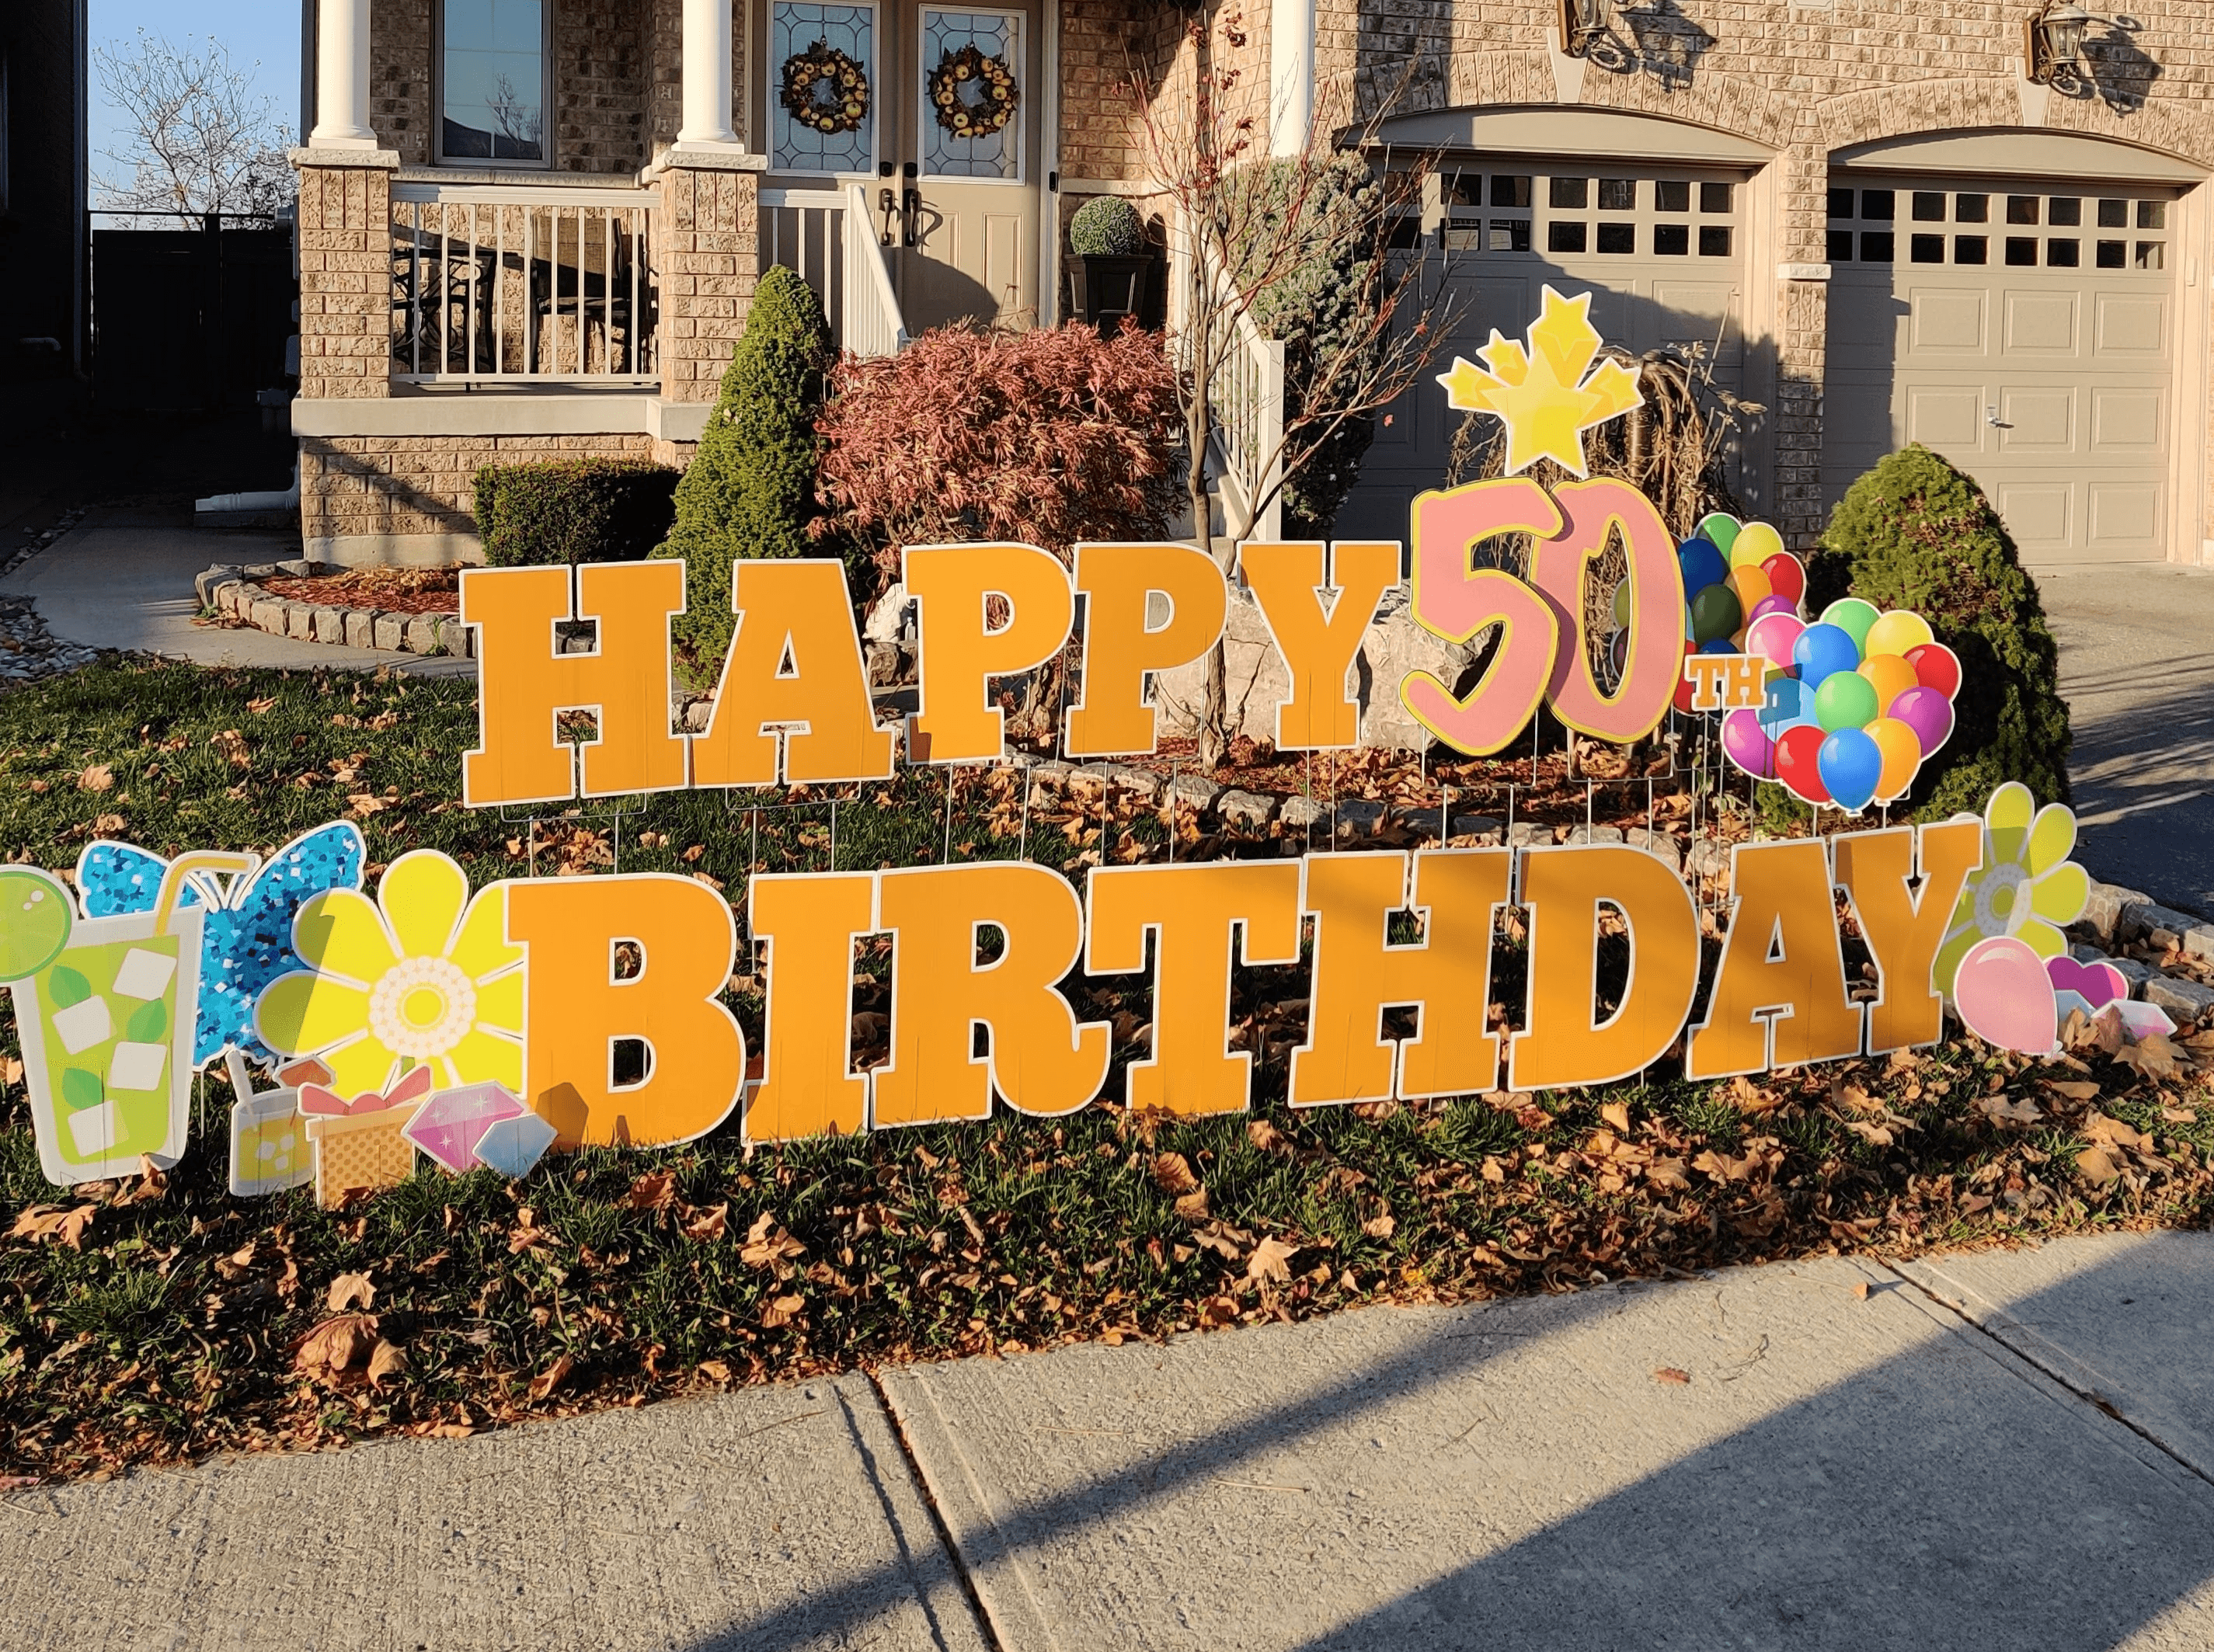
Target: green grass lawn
(146, 1322)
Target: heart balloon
(2099, 981)
(2005, 997)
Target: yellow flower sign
(423, 976)
(2027, 888)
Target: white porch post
(1291, 75)
(342, 77)
(707, 77)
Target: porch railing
(539, 284)
(1245, 394)
(827, 236)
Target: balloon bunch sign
(481, 1028)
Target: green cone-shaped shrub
(750, 490)
(1914, 532)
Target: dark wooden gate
(190, 319)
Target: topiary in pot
(750, 490)
(1914, 532)
(1109, 261)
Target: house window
(493, 57)
(949, 155)
(795, 27)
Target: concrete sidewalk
(1987, 1449)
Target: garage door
(2022, 331)
(1660, 249)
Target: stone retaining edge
(238, 594)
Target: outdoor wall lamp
(1582, 21)
(2053, 41)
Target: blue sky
(267, 30)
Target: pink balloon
(1769, 605)
(1772, 637)
(1927, 712)
(1747, 744)
(2004, 996)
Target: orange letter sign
(1904, 926)
(1779, 997)
(809, 922)
(959, 654)
(1287, 581)
(1119, 582)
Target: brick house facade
(1899, 230)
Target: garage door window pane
(1465, 189)
(1927, 249)
(2063, 212)
(1971, 209)
(1929, 206)
(1671, 195)
(1715, 197)
(2114, 255)
(1509, 236)
(1567, 236)
(1618, 194)
(1571, 193)
(1618, 238)
(1672, 240)
(2152, 255)
(1877, 205)
(2063, 254)
(1841, 204)
(2022, 209)
(1839, 246)
(2021, 249)
(1714, 241)
(2114, 214)
(1509, 191)
(2152, 215)
(1875, 247)
(1971, 249)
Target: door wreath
(822, 66)
(994, 79)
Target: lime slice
(34, 922)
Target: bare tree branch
(196, 139)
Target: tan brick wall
(708, 252)
(352, 486)
(346, 280)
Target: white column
(1291, 75)
(707, 77)
(342, 77)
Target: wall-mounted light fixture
(1582, 21)
(2052, 42)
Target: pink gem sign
(449, 1125)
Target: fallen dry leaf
(349, 1291)
(553, 1376)
(1192, 1206)
(2156, 1057)
(2001, 1110)
(1265, 1135)
(708, 1224)
(1270, 1260)
(1672, 1375)
(1380, 1226)
(98, 776)
(1172, 1174)
(2074, 1089)
(656, 1191)
(1616, 1114)
(1860, 1289)
(335, 1346)
(233, 1267)
(767, 1244)
(386, 1361)
(1216, 1312)
(263, 706)
(782, 1310)
(64, 1225)
(2096, 1167)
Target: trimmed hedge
(573, 511)
(750, 490)
(1914, 532)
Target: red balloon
(1936, 667)
(1786, 576)
(1795, 762)
(1683, 701)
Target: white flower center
(2002, 899)
(422, 1008)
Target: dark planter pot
(1105, 289)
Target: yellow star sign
(1542, 395)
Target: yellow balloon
(1750, 587)
(1902, 756)
(1892, 677)
(1755, 543)
(1897, 632)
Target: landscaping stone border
(239, 594)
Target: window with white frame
(972, 65)
(492, 96)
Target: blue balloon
(1788, 705)
(1850, 763)
(1821, 650)
(1702, 564)
(1720, 645)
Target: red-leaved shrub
(1049, 436)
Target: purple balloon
(1748, 745)
(1769, 605)
(1927, 712)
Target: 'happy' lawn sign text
(480, 1027)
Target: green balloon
(1714, 612)
(1621, 605)
(1845, 700)
(1719, 529)
(34, 923)
(1852, 616)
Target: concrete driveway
(2137, 663)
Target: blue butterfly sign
(247, 937)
